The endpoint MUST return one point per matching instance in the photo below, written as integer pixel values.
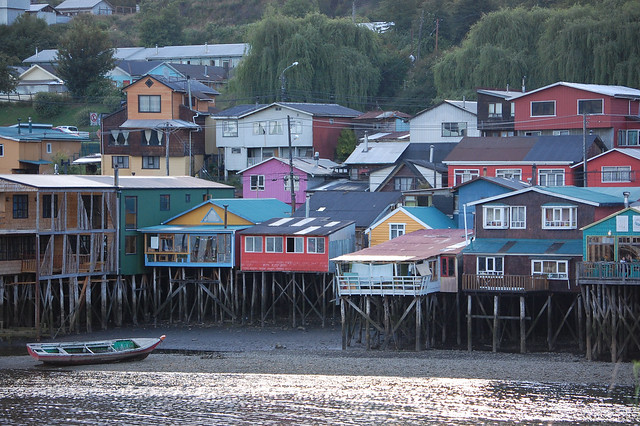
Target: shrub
(82, 117)
(48, 105)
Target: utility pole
(166, 138)
(293, 192)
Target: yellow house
(405, 220)
(161, 129)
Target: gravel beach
(316, 351)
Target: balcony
(504, 283)
(615, 273)
(353, 285)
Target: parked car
(73, 130)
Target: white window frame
(509, 173)
(298, 245)
(538, 268)
(465, 175)
(623, 137)
(601, 100)
(397, 230)
(513, 109)
(260, 128)
(313, 246)
(250, 244)
(230, 128)
(542, 102)
(256, 182)
(454, 129)
(514, 222)
(271, 244)
(402, 183)
(490, 264)
(551, 173)
(495, 110)
(295, 127)
(150, 162)
(120, 159)
(563, 217)
(561, 132)
(276, 127)
(613, 174)
(296, 182)
(495, 217)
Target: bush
(82, 117)
(48, 105)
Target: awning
(158, 124)
(497, 246)
(36, 162)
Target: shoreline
(316, 351)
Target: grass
(10, 112)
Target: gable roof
(377, 153)
(316, 110)
(464, 105)
(298, 226)
(80, 4)
(361, 207)
(504, 94)
(631, 152)
(429, 217)
(594, 196)
(197, 89)
(254, 210)
(602, 89)
(504, 182)
(47, 69)
(382, 115)
(135, 68)
(305, 165)
(633, 209)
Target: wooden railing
(379, 286)
(627, 273)
(504, 283)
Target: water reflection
(82, 397)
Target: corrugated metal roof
(506, 183)
(470, 106)
(158, 124)
(608, 90)
(324, 110)
(431, 216)
(382, 115)
(255, 210)
(57, 181)
(37, 134)
(298, 226)
(377, 153)
(601, 195)
(78, 4)
(238, 111)
(512, 247)
(505, 94)
(204, 229)
(307, 165)
(415, 246)
(342, 185)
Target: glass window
(462, 175)
(131, 212)
(260, 128)
(518, 217)
(273, 244)
(296, 183)
(295, 244)
(1, 150)
(49, 149)
(628, 137)
(495, 217)
(257, 182)
(554, 269)
(21, 206)
(275, 127)
(495, 110)
(448, 266)
(46, 206)
(454, 129)
(490, 265)
(253, 244)
(315, 245)
(295, 127)
(590, 106)
(513, 109)
(148, 103)
(561, 132)
(559, 217)
(150, 162)
(130, 244)
(543, 108)
(616, 174)
(120, 161)
(403, 183)
(230, 128)
(509, 173)
(165, 202)
(396, 230)
(551, 177)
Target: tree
(85, 57)
(161, 24)
(346, 144)
(28, 33)
(8, 77)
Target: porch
(613, 273)
(504, 283)
(354, 285)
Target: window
(253, 244)
(21, 206)
(273, 245)
(260, 128)
(49, 148)
(448, 266)
(518, 215)
(490, 265)
(1, 150)
(561, 132)
(165, 202)
(396, 230)
(230, 128)
(120, 161)
(513, 110)
(295, 127)
(187, 198)
(554, 269)
(509, 173)
(495, 217)
(628, 137)
(150, 162)
(590, 106)
(46, 206)
(616, 174)
(130, 212)
(236, 150)
(315, 245)
(295, 244)
(148, 103)
(130, 244)
(454, 129)
(296, 183)
(495, 110)
(559, 217)
(533, 133)
(551, 177)
(543, 108)
(257, 182)
(463, 175)
(275, 127)
(403, 183)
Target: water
(134, 398)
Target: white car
(68, 129)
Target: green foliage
(28, 33)
(84, 58)
(346, 144)
(161, 23)
(83, 118)
(299, 8)
(8, 77)
(48, 105)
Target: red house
(296, 244)
(611, 112)
(617, 167)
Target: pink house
(270, 178)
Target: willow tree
(337, 61)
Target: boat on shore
(97, 352)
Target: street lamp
(282, 80)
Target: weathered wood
(495, 323)
(523, 326)
(418, 323)
(469, 323)
(343, 321)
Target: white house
(449, 121)
(76, 7)
(11, 9)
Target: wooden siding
(613, 159)
(326, 131)
(167, 110)
(289, 262)
(274, 172)
(380, 233)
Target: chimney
(30, 127)
(316, 157)
(507, 87)
(36, 51)
(626, 199)
(307, 206)
(366, 142)
(156, 49)
(206, 47)
(534, 172)
(524, 89)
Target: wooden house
(369, 156)
(496, 112)
(617, 167)
(160, 131)
(206, 235)
(40, 79)
(540, 160)
(77, 7)
(405, 220)
(375, 122)
(449, 121)
(563, 108)
(271, 178)
(296, 244)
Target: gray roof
(37, 133)
(343, 185)
(157, 123)
(79, 4)
(470, 106)
(198, 89)
(361, 207)
(135, 68)
(505, 94)
(107, 182)
(377, 153)
(297, 226)
(320, 110)
(607, 90)
(307, 165)
(504, 182)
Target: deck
(353, 285)
(614, 273)
(504, 283)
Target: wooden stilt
(469, 323)
(418, 322)
(263, 304)
(523, 327)
(103, 302)
(495, 323)
(87, 303)
(343, 322)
